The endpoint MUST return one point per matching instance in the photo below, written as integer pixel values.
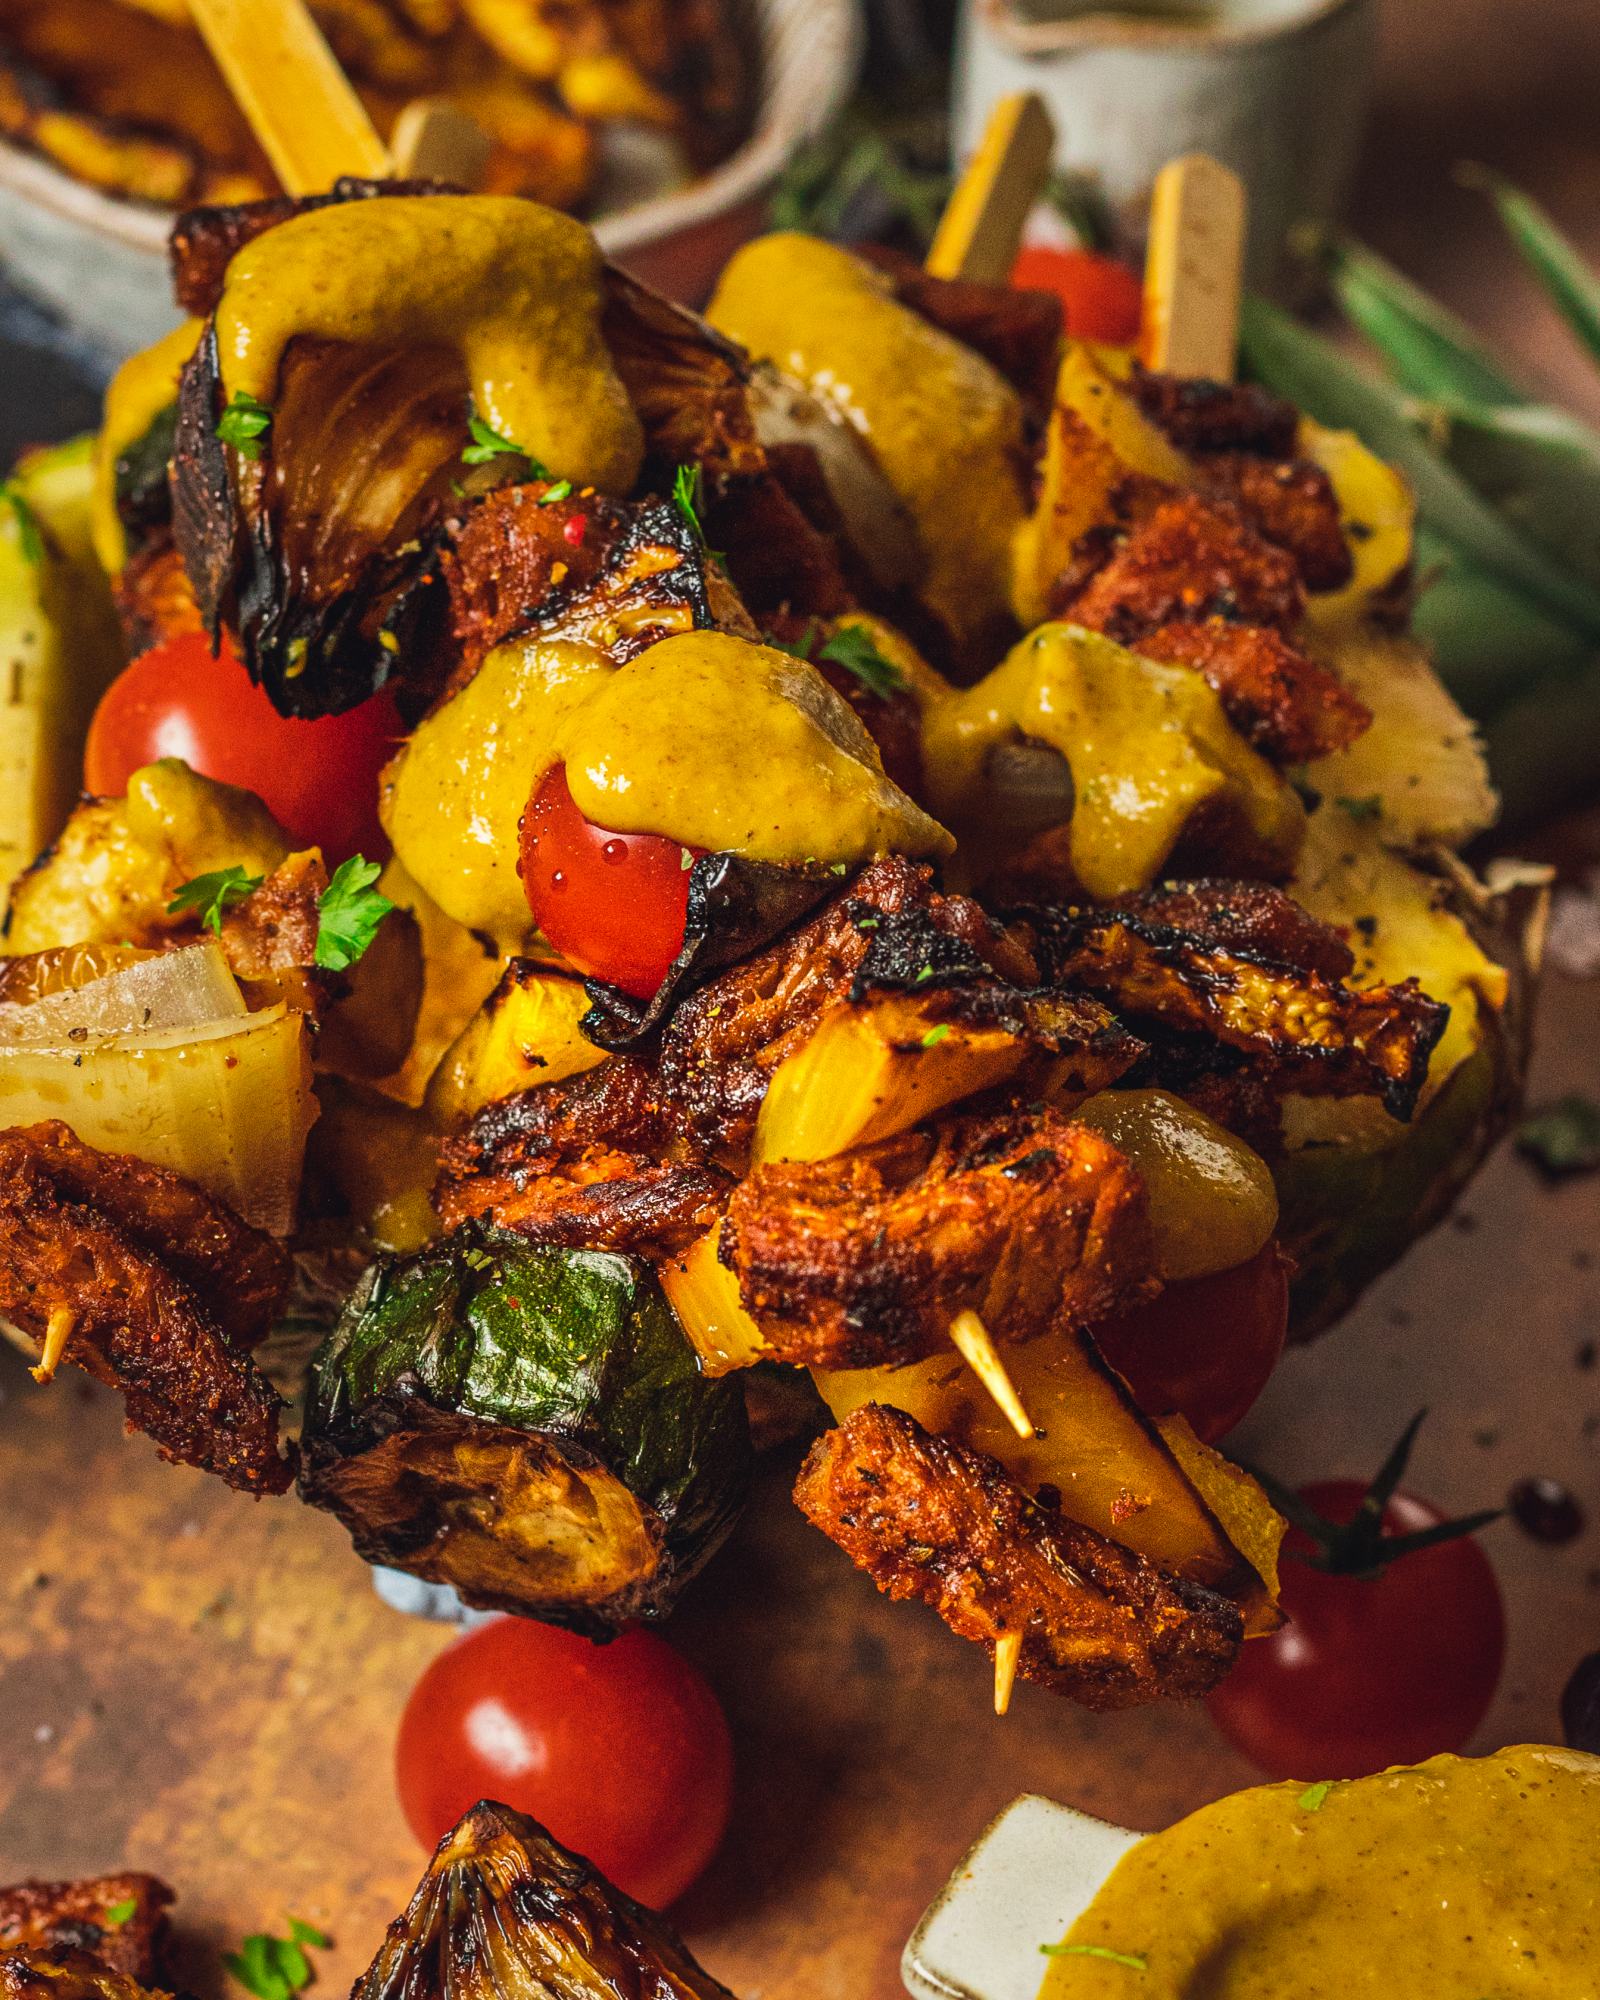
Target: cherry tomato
(612, 903)
(1368, 1672)
(319, 779)
(1206, 1346)
(622, 1751)
(1102, 298)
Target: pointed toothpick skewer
(1194, 268)
(973, 1343)
(1007, 1652)
(57, 1332)
(982, 224)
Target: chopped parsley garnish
(244, 423)
(117, 1914)
(924, 974)
(274, 1968)
(560, 491)
(851, 647)
(1370, 807)
(29, 535)
(688, 496)
(1563, 1137)
(1131, 1959)
(935, 1036)
(476, 1259)
(488, 444)
(1314, 1797)
(685, 859)
(210, 895)
(349, 912)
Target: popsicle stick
(981, 227)
(1007, 1652)
(57, 1332)
(1194, 268)
(285, 79)
(435, 140)
(973, 1343)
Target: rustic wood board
(207, 1686)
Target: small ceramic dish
(1023, 1883)
(100, 263)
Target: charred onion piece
(163, 1290)
(927, 1518)
(862, 1261)
(77, 1916)
(529, 1425)
(504, 1913)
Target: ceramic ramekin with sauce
(1457, 1879)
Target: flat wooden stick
(974, 1344)
(982, 224)
(1194, 268)
(299, 102)
(435, 140)
(1007, 1652)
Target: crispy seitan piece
(1203, 416)
(66, 1975)
(1291, 502)
(863, 1260)
(167, 1291)
(1190, 559)
(1215, 961)
(118, 1919)
(930, 1519)
(1291, 707)
(582, 1164)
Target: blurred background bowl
(99, 263)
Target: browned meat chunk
(163, 1292)
(1248, 917)
(64, 1975)
(1202, 416)
(863, 1260)
(118, 1919)
(1305, 1031)
(1291, 502)
(1285, 703)
(929, 1519)
(512, 554)
(1190, 559)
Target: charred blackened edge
(206, 522)
(735, 907)
(143, 494)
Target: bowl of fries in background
(662, 122)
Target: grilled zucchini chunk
(527, 1424)
(504, 1913)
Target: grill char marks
(929, 1519)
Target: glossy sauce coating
(1454, 1880)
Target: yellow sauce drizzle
(515, 288)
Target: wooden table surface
(207, 1687)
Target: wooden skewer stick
(1007, 1652)
(1194, 268)
(57, 1332)
(435, 140)
(286, 80)
(982, 223)
(977, 1349)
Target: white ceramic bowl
(100, 263)
(1023, 1883)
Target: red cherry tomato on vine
(1102, 298)
(612, 903)
(319, 779)
(1206, 1346)
(621, 1751)
(1368, 1672)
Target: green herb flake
(1315, 1797)
(562, 490)
(685, 859)
(304, 1933)
(851, 647)
(209, 896)
(688, 496)
(1370, 807)
(244, 424)
(274, 1968)
(1563, 1137)
(488, 444)
(935, 1036)
(1133, 1960)
(868, 923)
(924, 974)
(349, 912)
(838, 868)
(117, 1914)
(29, 535)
